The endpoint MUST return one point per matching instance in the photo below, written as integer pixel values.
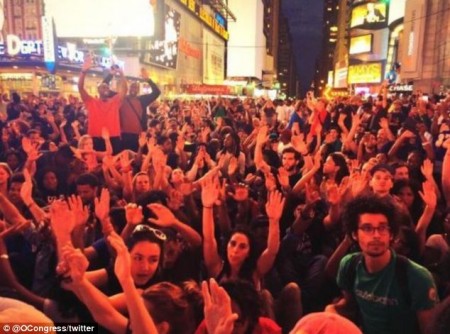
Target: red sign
(186, 47)
(208, 89)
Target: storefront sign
(401, 88)
(48, 39)
(206, 17)
(208, 89)
(365, 73)
(15, 47)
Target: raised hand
(122, 266)
(240, 192)
(102, 204)
(261, 138)
(142, 140)
(219, 318)
(299, 144)
(164, 217)
(283, 177)
(125, 162)
(332, 193)
(27, 146)
(275, 205)
(133, 214)
(62, 220)
(75, 262)
(270, 181)
(88, 62)
(80, 211)
(210, 191)
(427, 169)
(428, 194)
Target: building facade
(191, 52)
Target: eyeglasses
(145, 228)
(369, 229)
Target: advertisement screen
(103, 18)
(370, 15)
(361, 44)
(164, 52)
(365, 73)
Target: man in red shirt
(104, 110)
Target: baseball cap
(382, 167)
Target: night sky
(305, 20)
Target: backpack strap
(401, 273)
(351, 272)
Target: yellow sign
(206, 17)
(365, 73)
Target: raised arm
(140, 319)
(165, 218)
(430, 199)
(97, 303)
(446, 173)
(122, 86)
(149, 98)
(274, 210)
(210, 193)
(86, 66)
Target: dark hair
(87, 179)
(399, 164)
(248, 267)
(247, 298)
(339, 160)
(41, 175)
(369, 203)
(160, 140)
(291, 150)
(237, 144)
(168, 303)
(149, 236)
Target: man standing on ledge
(133, 112)
(104, 110)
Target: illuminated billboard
(365, 73)
(369, 15)
(164, 52)
(103, 18)
(361, 44)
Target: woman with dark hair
(146, 249)
(241, 260)
(335, 168)
(5, 174)
(408, 193)
(230, 159)
(14, 160)
(163, 308)
(50, 185)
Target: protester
(254, 193)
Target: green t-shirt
(381, 302)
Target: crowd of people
(225, 215)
